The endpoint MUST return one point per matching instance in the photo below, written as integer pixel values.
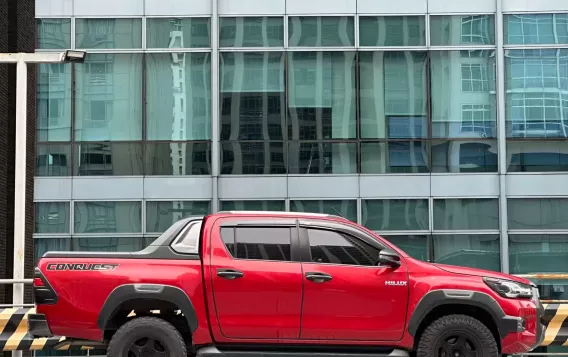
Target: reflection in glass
(414, 245)
(178, 32)
(53, 33)
(251, 32)
(322, 158)
(321, 31)
(53, 102)
(468, 250)
(108, 159)
(44, 245)
(394, 157)
(253, 158)
(393, 99)
(329, 247)
(321, 95)
(463, 94)
(108, 217)
(251, 205)
(178, 158)
(538, 213)
(163, 214)
(52, 217)
(536, 82)
(464, 156)
(395, 215)
(535, 29)
(459, 30)
(392, 31)
(344, 208)
(537, 156)
(263, 243)
(178, 95)
(466, 214)
(252, 96)
(108, 33)
(108, 98)
(538, 253)
(53, 160)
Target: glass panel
(538, 213)
(253, 206)
(108, 33)
(395, 215)
(178, 96)
(392, 31)
(394, 157)
(44, 245)
(162, 215)
(108, 217)
(263, 243)
(538, 253)
(536, 101)
(393, 99)
(466, 213)
(322, 158)
(52, 217)
(252, 96)
(468, 250)
(53, 160)
(535, 29)
(463, 94)
(464, 156)
(53, 102)
(328, 247)
(108, 159)
(344, 208)
(459, 30)
(53, 33)
(415, 246)
(110, 244)
(178, 32)
(321, 94)
(253, 158)
(537, 156)
(108, 102)
(320, 31)
(178, 158)
(251, 32)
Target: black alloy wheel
(147, 347)
(458, 344)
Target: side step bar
(213, 351)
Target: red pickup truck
(232, 284)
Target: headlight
(508, 288)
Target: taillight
(43, 291)
(38, 282)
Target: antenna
(339, 214)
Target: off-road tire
(147, 327)
(460, 325)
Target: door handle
(229, 274)
(318, 277)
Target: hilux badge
(396, 282)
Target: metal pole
(20, 184)
(215, 145)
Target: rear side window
(337, 248)
(258, 243)
(188, 242)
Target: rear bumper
(38, 327)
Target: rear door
(257, 279)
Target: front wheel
(147, 337)
(457, 336)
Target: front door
(257, 287)
(346, 295)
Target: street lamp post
(21, 60)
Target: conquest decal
(81, 266)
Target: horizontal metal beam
(39, 57)
(16, 281)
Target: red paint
(274, 302)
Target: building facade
(440, 124)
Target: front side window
(258, 243)
(337, 248)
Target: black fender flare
(129, 292)
(436, 298)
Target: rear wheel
(457, 336)
(147, 337)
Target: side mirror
(389, 258)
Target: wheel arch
(133, 293)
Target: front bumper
(38, 327)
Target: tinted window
(335, 248)
(261, 243)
